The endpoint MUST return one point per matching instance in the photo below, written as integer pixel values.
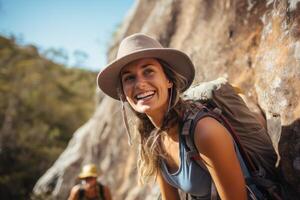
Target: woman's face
(145, 86)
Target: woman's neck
(157, 121)
(157, 117)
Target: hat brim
(86, 175)
(108, 79)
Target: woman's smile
(145, 96)
(145, 99)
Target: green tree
(41, 105)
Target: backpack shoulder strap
(81, 193)
(190, 121)
(101, 191)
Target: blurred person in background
(89, 188)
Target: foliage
(41, 105)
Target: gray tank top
(190, 177)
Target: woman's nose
(140, 82)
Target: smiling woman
(150, 78)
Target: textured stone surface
(255, 44)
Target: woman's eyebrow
(128, 71)
(124, 72)
(146, 65)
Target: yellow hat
(89, 170)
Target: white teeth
(145, 94)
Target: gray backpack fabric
(254, 146)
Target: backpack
(219, 100)
(101, 192)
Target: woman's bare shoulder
(216, 148)
(210, 135)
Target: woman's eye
(128, 78)
(148, 71)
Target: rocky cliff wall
(255, 44)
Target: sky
(84, 26)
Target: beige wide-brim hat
(89, 170)
(139, 46)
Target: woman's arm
(217, 150)
(167, 191)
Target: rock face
(255, 44)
